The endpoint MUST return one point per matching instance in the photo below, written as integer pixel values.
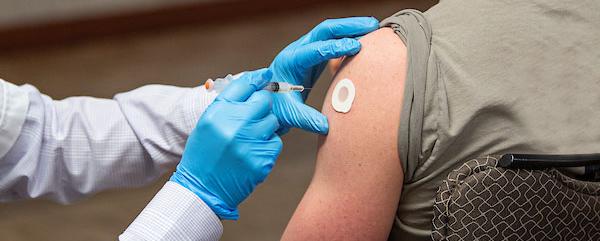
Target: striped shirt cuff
(175, 213)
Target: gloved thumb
(319, 52)
(242, 88)
(298, 115)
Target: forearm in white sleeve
(13, 109)
(72, 148)
(175, 213)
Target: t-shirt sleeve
(415, 31)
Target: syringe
(283, 87)
(219, 85)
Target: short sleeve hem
(415, 31)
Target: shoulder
(381, 50)
(378, 73)
(358, 169)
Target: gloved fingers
(317, 53)
(343, 28)
(266, 166)
(298, 115)
(283, 130)
(259, 104)
(311, 120)
(242, 88)
(265, 171)
(264, 129)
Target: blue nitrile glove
(302, 62)
(233, 147)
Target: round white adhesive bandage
(343, 96)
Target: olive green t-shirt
(492, 77)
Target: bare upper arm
(358, 178)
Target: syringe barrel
(220, 84)
(274, 87)
(283, 87)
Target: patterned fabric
(73, 148)
(70, 149)
(480, 201)
(175, 214)
(13, 107)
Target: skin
(334, 65)
(358, 178)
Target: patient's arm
(356, 186)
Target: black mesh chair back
(519, 197)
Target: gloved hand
(302, 62)
(233, 147)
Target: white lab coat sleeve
(13, 108)
(72, 148)
(175, 213)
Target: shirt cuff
(175, 213)
(13, 109)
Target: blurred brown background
(99, 48)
